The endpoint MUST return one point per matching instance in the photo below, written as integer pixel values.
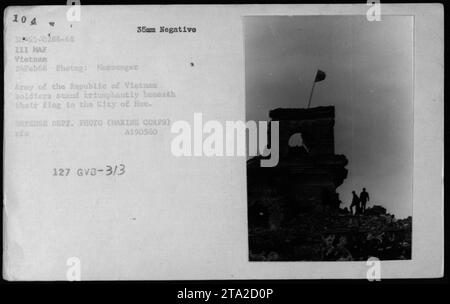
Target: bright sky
(369, 67)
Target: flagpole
(312, 90)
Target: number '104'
(24, 19)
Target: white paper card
(101, 101)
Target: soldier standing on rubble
(364, 197)
(355, 203)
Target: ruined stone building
(308, 171)
(294, 210)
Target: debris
(334, 236)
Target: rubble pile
(334, 235)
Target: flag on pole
(320, 76)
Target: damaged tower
(307, 174)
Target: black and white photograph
(341, 89)
(223, 143)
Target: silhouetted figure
(355, 203)
(364, 197)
